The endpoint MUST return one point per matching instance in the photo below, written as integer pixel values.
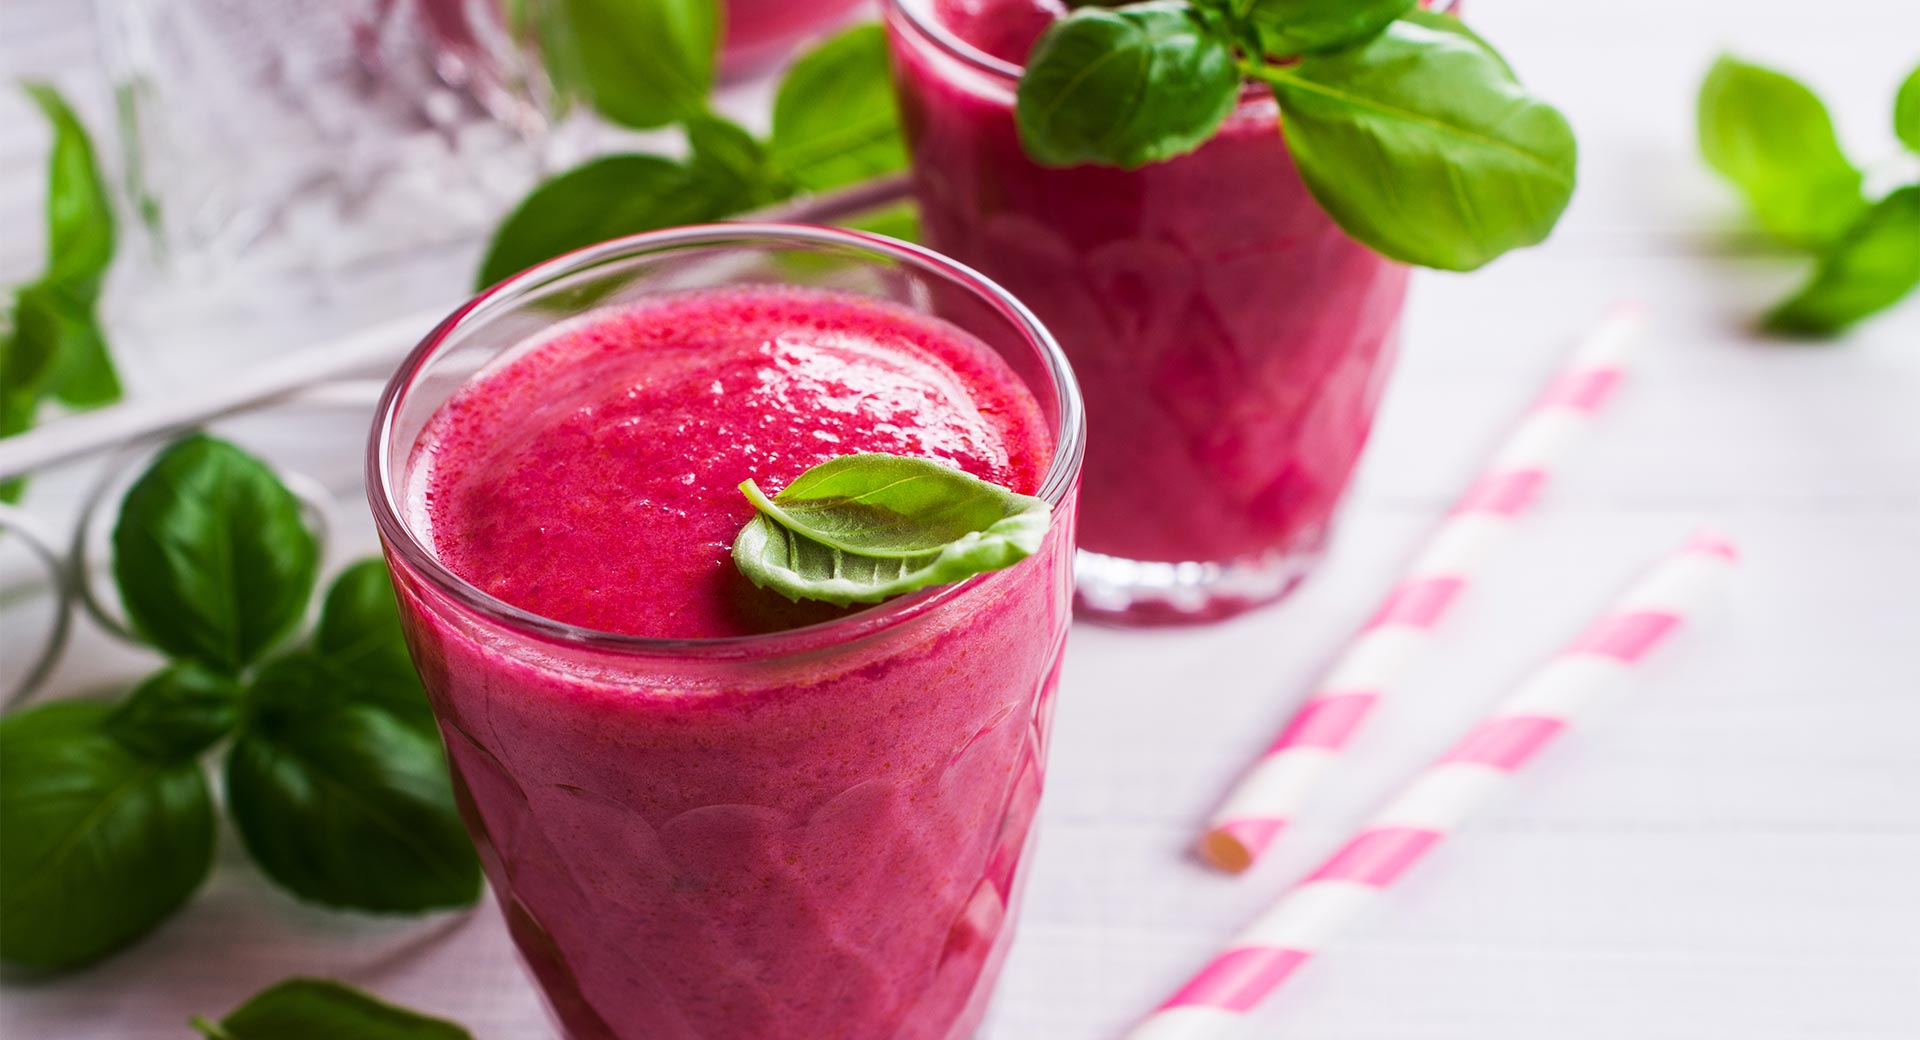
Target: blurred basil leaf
(1772, 138)
(321, 1009)
(644, 63)
(1906, 111)
(1875, 264)
(835, 121)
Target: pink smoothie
(1231, 341)
(811, 834)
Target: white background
(1731, 849)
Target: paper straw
(1441, 798)
(1280, 782)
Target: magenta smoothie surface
(1231, 341)
(812, 833)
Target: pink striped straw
(1279, 783)
(1441, 798)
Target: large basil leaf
(177, 713)
(321, 1009)
(360, 635)
(1421, 144)
(343, 802)
(834, 120)
(1772, 138)
(1871, 267)
(1291, 27)
(1125, 87)
(213, 559)
(861, 528)
(603, 199)
(101, 843)
(645, 63)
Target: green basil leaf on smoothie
(341, 801)
(645, 63)
(1906, 111)
(177, 713)
(861, 528)
(1772, 138)
(102, 842)
(213, 558)
(359, 633)
(1422, 145)
(1873, 266)
(603, 199)
(1292, 27)
(835, 120)
(321, 1009)
(1125, 87)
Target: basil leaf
(1124, 87)
(1453, 24)
(80, 228)
(80, 245)
(1906, 111)
(359, 634)
(861, 528)
(321, 1009)
(1772, 138)
(1873, 265)
(1422, 145)
(213, 559)
(1292, 27)
(29, 359)
(731, 165)
(835, 120)
(601, 200)
(177, 713)
(102, 843)
(342, 802)
(645, 63)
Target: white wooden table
(1731, 851)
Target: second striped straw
(1439, 799)
(1277, 785)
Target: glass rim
(919, 15)
(1062, 474)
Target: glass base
(1116, 591)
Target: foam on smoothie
(593, 477)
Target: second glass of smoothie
(710, 813)
(1232, 341)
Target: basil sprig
(1771, 136)
(834, 123)
(51, 343)
(1411, 131)
(862, 528)
(322, 1009)
(335, 777)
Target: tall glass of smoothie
(710, 813)
(1232, 341)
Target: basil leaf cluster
(322, 1009)
(1772, 138)
(834, 123)
(1410, 130)
(862, 528)
(51, 343)
(335, 778)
